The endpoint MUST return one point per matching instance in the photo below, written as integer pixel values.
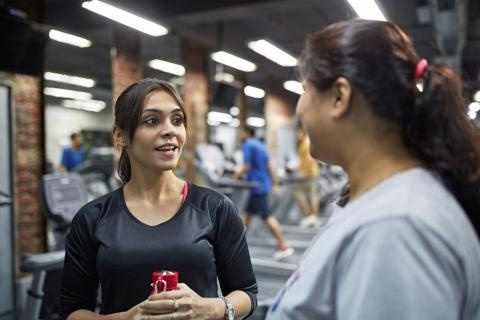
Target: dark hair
(379, 61)
(249, 130)
(128, 109)
(74, 135)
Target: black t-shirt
(107, 245)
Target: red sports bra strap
(185, 192)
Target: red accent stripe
(185, 192)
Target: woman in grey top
(402, 246)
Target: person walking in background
(402, 247)
(256, 166)
(73, 155)
(306, 192)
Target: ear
(342, 91)
(119, 140)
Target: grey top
(404, 250)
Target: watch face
(230, 310)
(231, 313)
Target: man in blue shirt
(257, 168)
(74, 155)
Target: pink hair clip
(420, 68)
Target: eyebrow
(160, 111)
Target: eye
(177, 120)
(150, 122)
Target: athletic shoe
(282, 254)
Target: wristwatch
(229, 310)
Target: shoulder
(396, 239)
(99, 209)
(212, 202)
(207, 198)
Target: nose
(168, 130)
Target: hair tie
(420, 68)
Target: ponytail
(438, 131)
(124, 169)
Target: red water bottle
(164, 281)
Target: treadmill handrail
(42, 261)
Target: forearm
(89, 315)
(273, 175)
(241, 301)
(244, 169)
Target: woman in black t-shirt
(155, 221)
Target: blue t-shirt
(72, 158)
(255, 154)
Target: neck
(374, 163)
(152, 186)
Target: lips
(167, 151)
(166, 147)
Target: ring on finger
(175, 305)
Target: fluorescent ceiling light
(88, 105)
(64, 93)
(69, 39)
(269, 51)
(125, 18)
(476, 96)
(367, 9)
(293, 86)
(224, 77)
(474, 106)
(234, 111)
(254, 92)
(78, 81)
(213, 123)
(233, 61)
(234, 123)
(215, 116)
(472, 114)
(255, 122)
(168, 67)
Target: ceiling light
(88, 105)
(255, 122)
(234, 111)
(234, 123)
(125, 18)
(215, 116)
(168, 67)
(367, 9)
(233, 61)
(472, 114)
(213, 123)
(293, 86)
(476, 96)
(224, 77)
(254, 92)
(474, 106)
(64, 93)
(78, 81)
(269, 51)
(69, 39)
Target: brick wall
(126, 64)
(29, 156)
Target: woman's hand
(183, 303)
(135, 313)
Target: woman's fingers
(174, 294)
(169, 316)
(160, 306)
